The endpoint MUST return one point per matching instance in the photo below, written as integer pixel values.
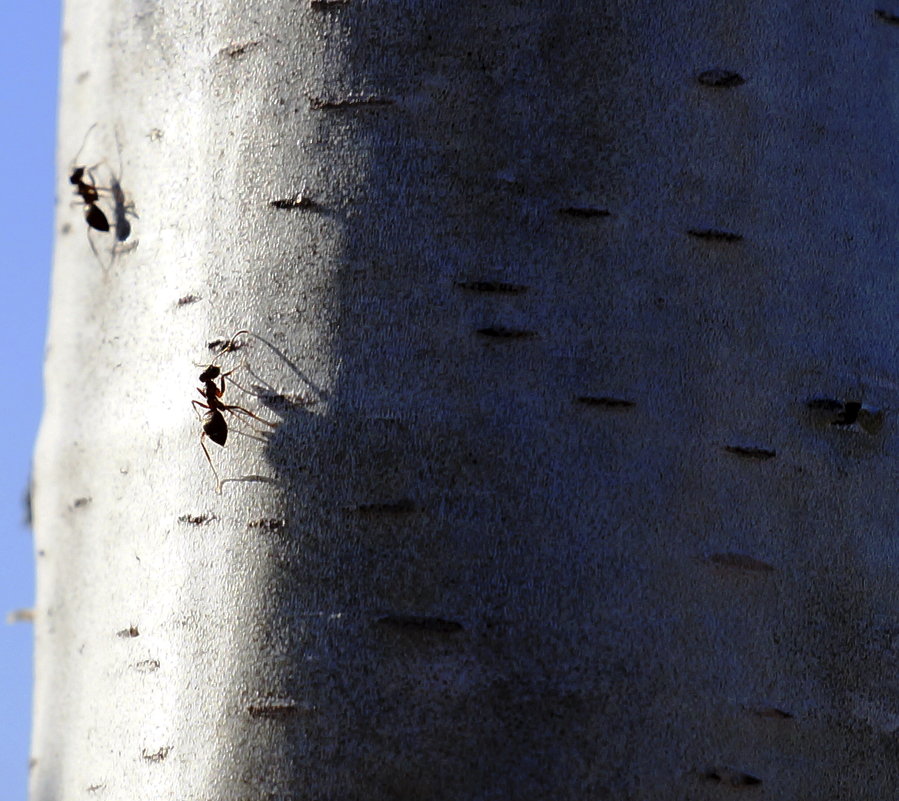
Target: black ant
(215, 426)
(90, 194)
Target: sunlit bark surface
(576, 325)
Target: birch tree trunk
(578, 326)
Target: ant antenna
(83, 143)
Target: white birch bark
(569, 496)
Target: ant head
(77, 175)
(210, 373)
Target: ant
(215, 426)
(90, 194)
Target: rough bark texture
(579, 325)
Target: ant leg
(236, 409)
(196, 403)
(218, 481)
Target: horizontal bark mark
(584, 212)
(298, 201)
(886, 16)
(501, 332)
(750, 452)
(714, 235)
(280, 402)
(772, 712)
(273, 710)
(402, 506)
(496, 287)
(195, 520)
(721, 79)
(268, 523)
(731, 777)
(415, 623)
(217, 345)
(320, 5)
(236, 50)
(741, 562)
(323, 104)
(187, 300)
(605, 401)
(156, 756)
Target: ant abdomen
(215, 427)
(95, 217)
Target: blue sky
(29, 62)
